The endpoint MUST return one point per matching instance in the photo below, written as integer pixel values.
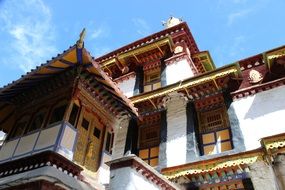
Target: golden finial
(80, 42)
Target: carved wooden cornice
(125, 77)
(144, 169)
(252, 90)
(214, 164)
(47, 158)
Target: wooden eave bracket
(139, 50)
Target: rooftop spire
(80, 41)
(172, 21)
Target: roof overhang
(272, 55)
(274, 144)
(140, 49)
(74, 56)
(205, 61)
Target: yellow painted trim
(108, 62)
(216, 165)
(273, 55)
(184, 84)
(146, 48)
(208, 60)
(274, 142)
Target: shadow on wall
(236, 132)
(266, 102)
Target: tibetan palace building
(154, 114)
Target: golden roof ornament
(172, 21)
(80, 42)
(255, 76)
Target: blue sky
(33, 31)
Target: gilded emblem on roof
(255, 76)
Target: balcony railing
(59, 137)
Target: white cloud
(239, 1)
(236, 15)
(100, 51)
(142, 26)
(96, 33)
(231, 50)
(237, 46)
(29, 31)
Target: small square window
(85, 124)
(109, 142)
(97, 132)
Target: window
(109, 142)
(149, 136)
(19, 127)
(37, 121)
(215, 134)
(152, 81)
(57, 114)
(74, 114)
(85, 124)
(97, 132)
(149, 141)
(150, 155)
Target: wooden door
(90, 137)
(93, 153)
(82, 137)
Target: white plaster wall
(178, 71)
(129, 179)
(127, 86)
(261, 115)
(104, 170)
(176, 146)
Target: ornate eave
(272, 55)
(203, 61)
(189, 83)
(213, 165)
(249, 91)
(75, 57)
(135, 51)
(274, 144)
(174, 31)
